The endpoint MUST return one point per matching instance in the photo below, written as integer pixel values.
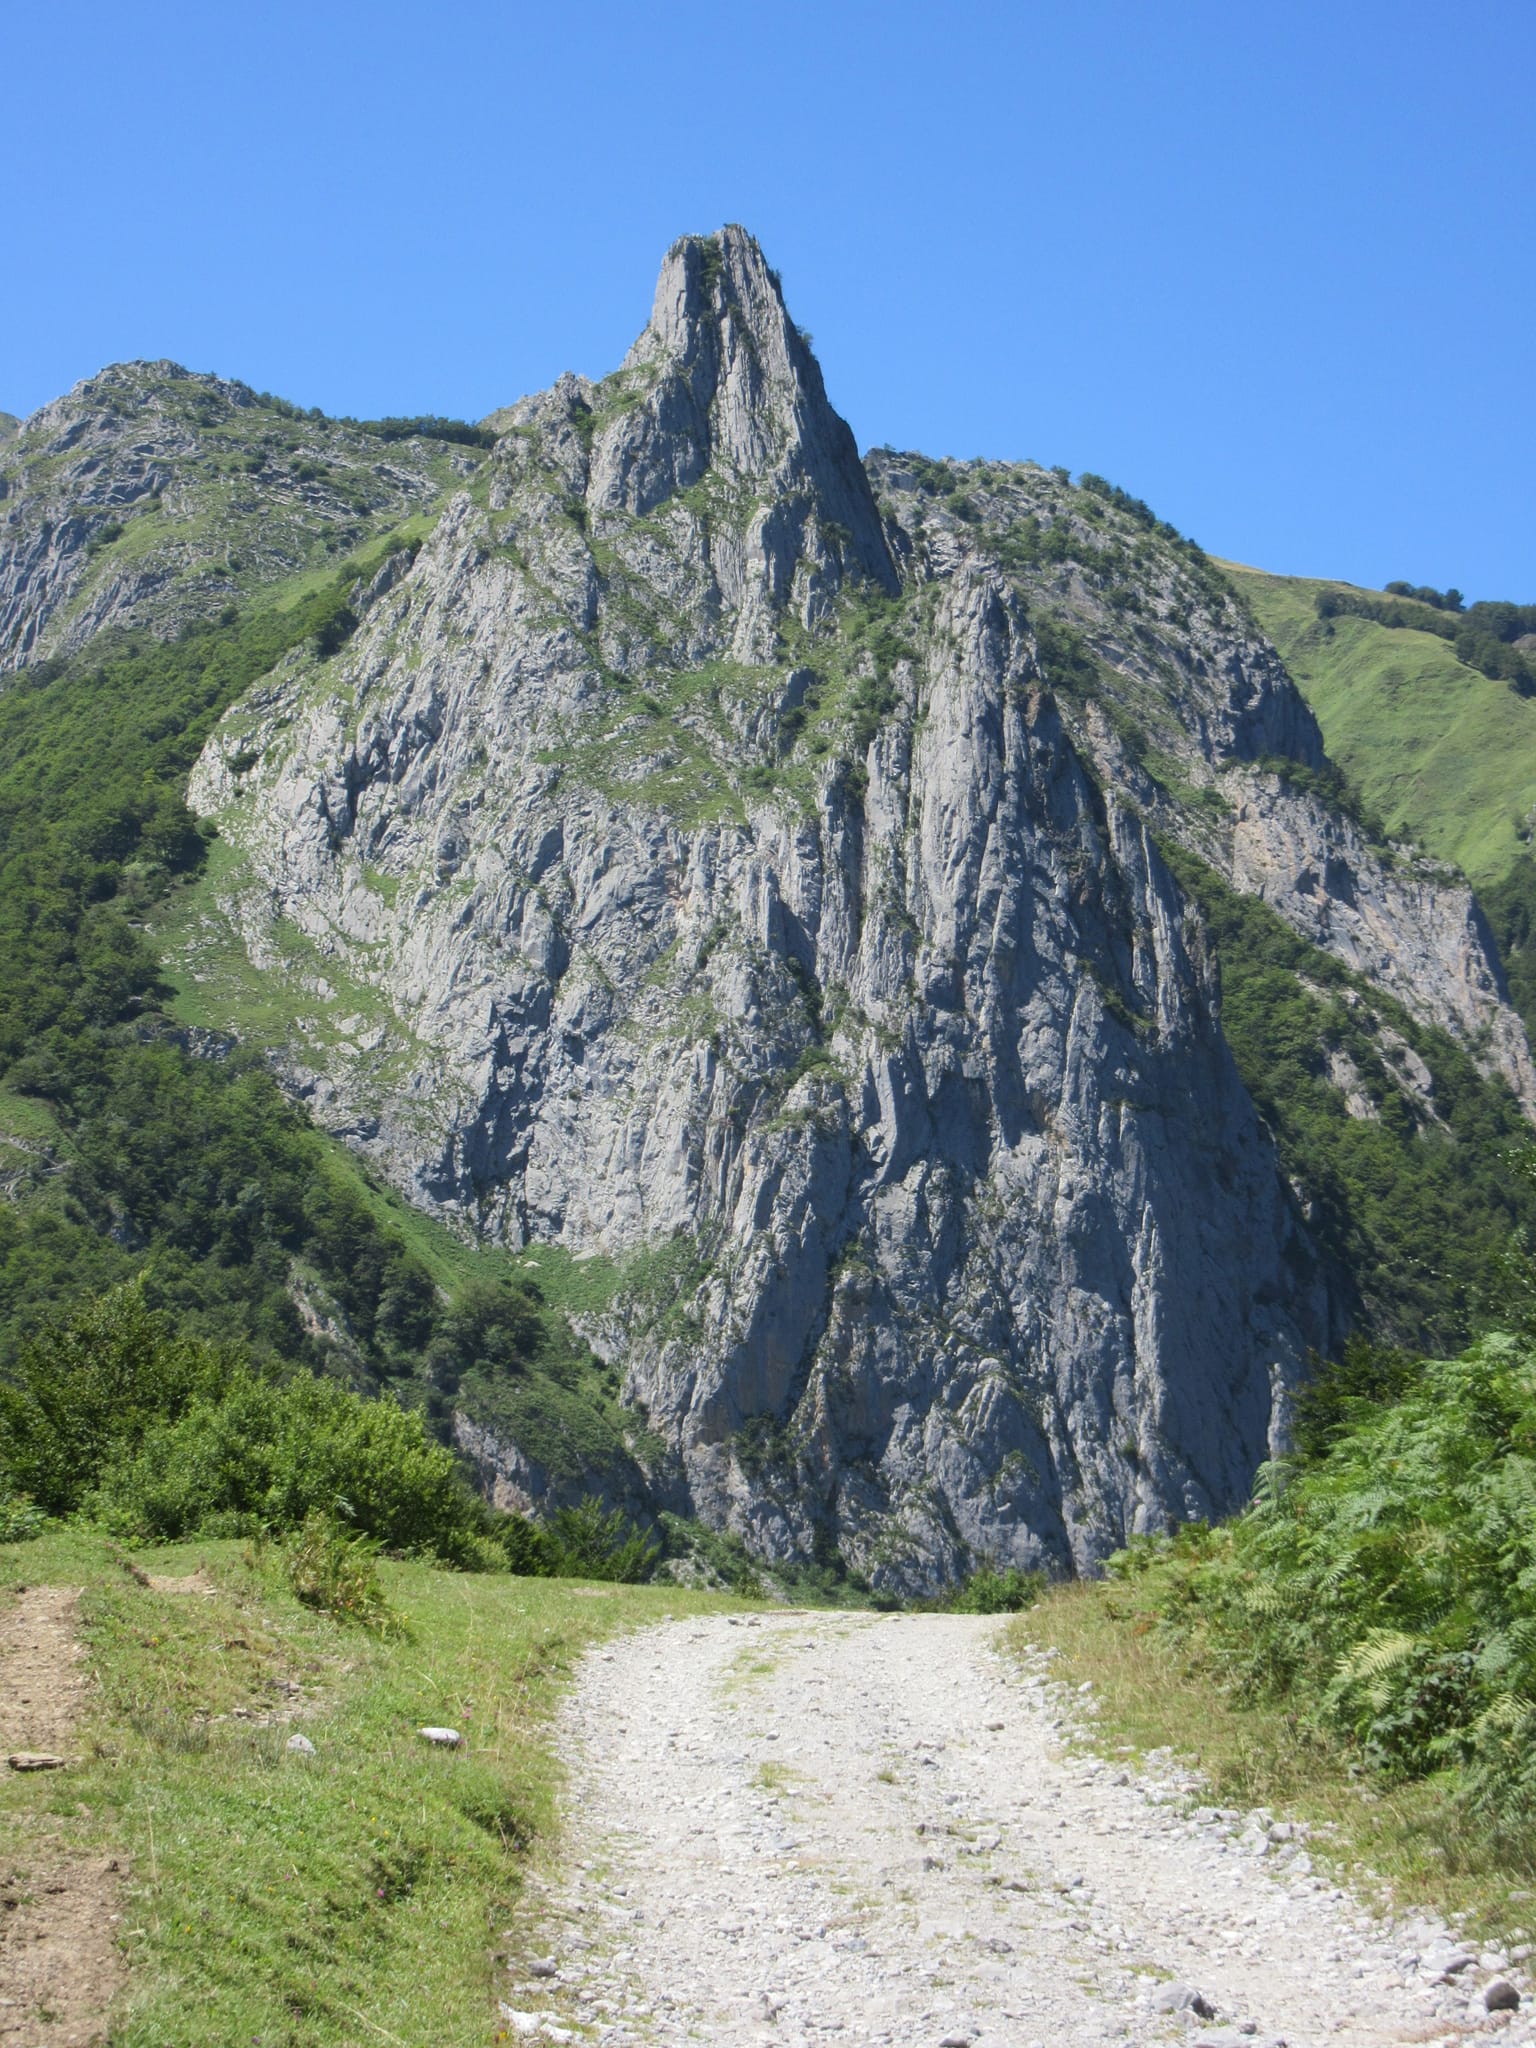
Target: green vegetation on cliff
(1412, 1202)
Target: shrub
(528, 1550)
(334, 631)
(988, 1591)
(20, 1518)
(90, 1387)
(1386, 1589)
(431, 427)
(1442, 600)
(592, 1545)
(264, 1456)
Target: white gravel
(868, 1829)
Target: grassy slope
(354, 1896)
(1439, 752)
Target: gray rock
(930, 1033)
(300, 1745)
(1501, 1996)
(1444, 1960)
(142, 446)
(1182, 1997)
(441, 1738)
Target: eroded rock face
(1183, 682)
(712, 883)
(1406, 925)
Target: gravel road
(869, 1829)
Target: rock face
(716, 886)
(1170, 674)
(1405, 925)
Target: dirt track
(60, 1965)
(866, 1829)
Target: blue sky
(1269, 267)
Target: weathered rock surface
(1176, 697)
(726, 886)
(1405, 925)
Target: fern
(1382, 1651)
(1385, 1588)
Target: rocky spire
(728, 384)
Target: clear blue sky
(1271, 266)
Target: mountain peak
(733, 387)
(705, 279)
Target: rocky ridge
(729, 892)
(1173, 693)
(153, 496)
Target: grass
(303, 998)
(350, 1897)
(27, 1118)
(1404, 1840)
(1438, 751)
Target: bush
(528, 1550)
(1425, 593)
(334, 631)
(988, 1591)
(1386, 1590)
(264, 1456)
(431, 427)
(591, 1545)
(20, 1518)
(1332, 1398)
(89, 1389)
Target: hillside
(1443, 754)
(1440, 753)
(845, 1002)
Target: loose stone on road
(868, 1829)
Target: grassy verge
(353, 1896)
(1405, 1843)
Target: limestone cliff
(720, 882)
